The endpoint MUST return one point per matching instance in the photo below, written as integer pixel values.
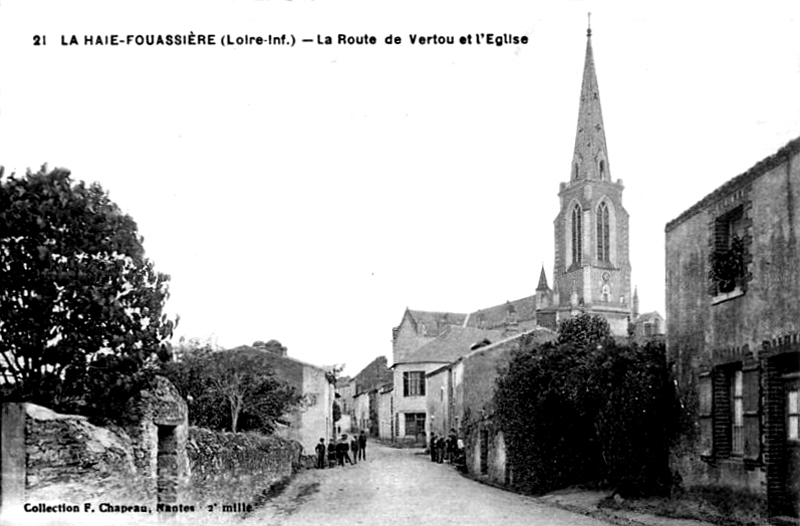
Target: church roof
(590, 138)
(491, 317)
(451, 345)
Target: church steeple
(542, 281)
(590, 157)
(592, 268)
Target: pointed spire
(590, 158)
(542, 281)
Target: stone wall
(69, 459)
(53, 459)
(231, 468)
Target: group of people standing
(337, 452)
(448, 448)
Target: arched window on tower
(574, 171)
(603, 236)
(577, 234)
(602, 170)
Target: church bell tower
(592, 268)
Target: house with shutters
(733, 332)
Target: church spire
(590, 158)
(542, 281)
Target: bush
(585, 408)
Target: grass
(716, 504)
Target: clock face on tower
(606, 276)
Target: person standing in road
(320, 449)
(433, 447)
(331, 453)
(362, 445)
(354, 449)
(342, 451)
(440, 444)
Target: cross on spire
(589, 26)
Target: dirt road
(398, 487)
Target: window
(727, 259)
(737, 415)
(729, 411)
(415, 424)
(414, 383)
(705, 396)
(577, 235)
(793, 414)
(602, 169)
(575, 171)
(603, 237)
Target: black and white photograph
(349, 262)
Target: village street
(402, 486)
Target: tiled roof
(760, 168)
(451, 345)
(494, 317)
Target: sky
(310, 193)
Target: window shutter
(405, 384)
(705, 414)
(751, 398)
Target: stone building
(733, 318)
(367, 383)
(409, 404)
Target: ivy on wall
(587, 409)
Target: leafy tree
(81, 322)
(582, 330)
(240, 381)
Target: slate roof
(451, 345)
(494, 317)
(435, 322)
(759, 169)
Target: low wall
(50, 459)
(236, 469)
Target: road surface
(398, 487)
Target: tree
(242, 381)
(81, 322)
(582, 330)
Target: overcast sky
(310, 193)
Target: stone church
(592, 271)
